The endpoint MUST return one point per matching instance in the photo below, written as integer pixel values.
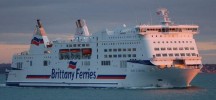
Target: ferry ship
(155, 56)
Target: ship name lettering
(78, 74)
(85, 75)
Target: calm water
(204, 88)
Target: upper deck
(171, 29)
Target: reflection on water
(203, 89)
(189, 90)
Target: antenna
(138, 21)
(150, 17)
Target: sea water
(203, 88)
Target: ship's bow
(177, 78)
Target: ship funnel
(39, 39)
(82, 28)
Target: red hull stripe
(111, 76)
(38, 76)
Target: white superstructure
(164, 56)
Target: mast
(164, 13)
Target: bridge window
(194, 29)
(165, 29)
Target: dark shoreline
(3, 67)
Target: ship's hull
(137, 75)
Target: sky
(18, 20)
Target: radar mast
(164, 13)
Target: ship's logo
(72, 65)
(36, 41)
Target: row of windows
(105, 63)
(174, 48)
(20, 64)
(77, 45)
(170, 35)
(175, 54)
(23, 57)
(172, 41)
(121, 43)
(120, 56)
(73, 56)
(122, 37)
(167, 29)
(30, 57)
(119, 49)
(86, 63)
